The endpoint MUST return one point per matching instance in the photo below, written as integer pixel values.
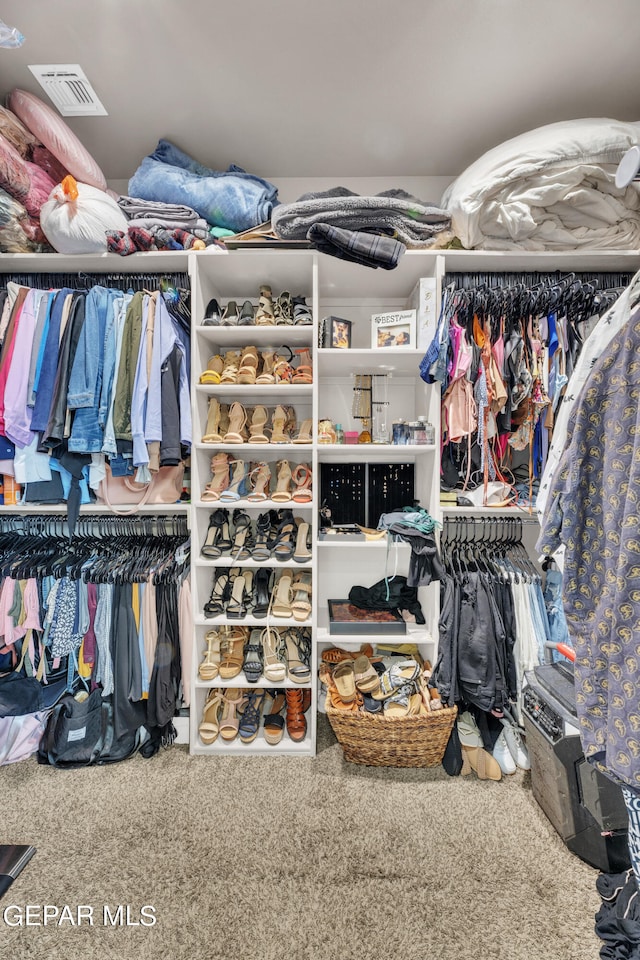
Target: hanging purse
(119, 492)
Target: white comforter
(549, 189)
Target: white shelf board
(384, 452)
(259, 747)
(262, 684)
(343, 363)
(415, 633)
(240, 274)
(521, 512)
(250, 621)
(228, 561)
(255, 447)
(474, 261)
(158, 261)
(91, 508)
(262, 336)
(283, 390)
(260, 505)
(345, 280)
(345, 544)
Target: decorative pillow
(51, 130)
(76, 218)
(23, 180)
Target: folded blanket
(135, 208)
(552, 188)
(394, 212)
(368, 249)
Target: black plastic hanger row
(82, 281)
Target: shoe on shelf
(301, 313)
(266, 375)
(212, 429)
(302, 552)
(248, 367)
(232, 699)
(279, 419)
(260, 482)
(304, 433)
(238, 486)
(301, 478)
(237, 421)
(230, 368)
(303, 373)
(253, 662)
(502, 754)
(213, 373)
(284, 543)
(242, 544)
(209, 725)
(273, 655)
(250, 722)
(219, 596)
(282, 493)
(296, 720)
(212, 314)
(264, 314)
(259, 418)
(239, 602)
(232, 652)
(247, 315)
(218, 539)
(281, 596)
(219, 477)
(273, 721)
(282, 369)
(208, 669)
(301, 590)
(261, 592)
(283, 309)
(262, 547)
(230, 315)
(517, 749)
(298, 653)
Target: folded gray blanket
(412, 221)
(179, 215)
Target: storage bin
(378, 741)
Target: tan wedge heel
(256, 427)
(231, 366)
(248, 366)
(212, 429)
(282, 493)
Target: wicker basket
(379, 741)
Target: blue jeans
(558, 631)
(85, 382)
(230, 200)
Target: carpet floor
(307, 859)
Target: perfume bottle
(339, 433)
(365, 433)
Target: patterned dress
(593, 510)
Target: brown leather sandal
(296, 720)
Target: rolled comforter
(549, 189)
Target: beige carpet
(289, 859)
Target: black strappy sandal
(252, 665)
(217, 540)
(219, 593)
(284, 543)
(261, 549)
(242, 546)
(261, 592)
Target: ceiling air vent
(67, 85)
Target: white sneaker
(502, 754)
(517, 749)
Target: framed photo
(394, 330)
(340, 333)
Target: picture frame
(340, 333)
(394, 331)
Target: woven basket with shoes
(379, 741)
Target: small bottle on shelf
(365, 433)
(339, 433)
(11, 490)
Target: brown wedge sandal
(232, 653)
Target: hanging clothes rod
(466, 281)
(81, 280)
(96, 525)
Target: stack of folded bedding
(552, 188)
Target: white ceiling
(330, 88)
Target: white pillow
(568, 145)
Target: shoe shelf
(259, 746)
(262, 684)
(263, 336)
(374, 452)
(255, 447)
(339, 363)
(249, 621)
(228, 561)
(244, 504)
(266, 391)
(359, 544)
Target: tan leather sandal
(301, 605)
(237, 420)
(231, 366)
(248, 366)
(232, 653)
(282, 493)
(219, 479)
(209, 726)
(208, 669)
(301, 478)
(229, 722)
(281, 599)
(264, 313)
(266, 374)
(279, 422)
(213, 373)
(259, 418)
(212, 429)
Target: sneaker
(502, 754)
(516, 747)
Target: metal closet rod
(467, 281)
(81, 280)
(96, 525)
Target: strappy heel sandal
(259, 418)
(212, 431)
(208, 668)
(273, 721)
(298, 653)
(301, 603)
(291, 425)
(303, 373)
(252, 666)
(231, 365)
(281, 597)
(237, 420)
(301, 313)
(238, 486)
(213, 373)
(261, 592)
(298, 702)
(242, 536)
(248, 366)
(282, 369)
(250, 723)
(283, 545)
(264, 313)
(302, 553)
(217, 540)
(219, 478)
(209, 726)
(282, 494)
(283, 309)
(237, 604)
(232, 653)
(260, 482)
(230, 721)
(229, 316)
(304, 433)
(262, 549)
(219, 593)
(301, 478)
(266, 374)
(275, 666)
(278, 425)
